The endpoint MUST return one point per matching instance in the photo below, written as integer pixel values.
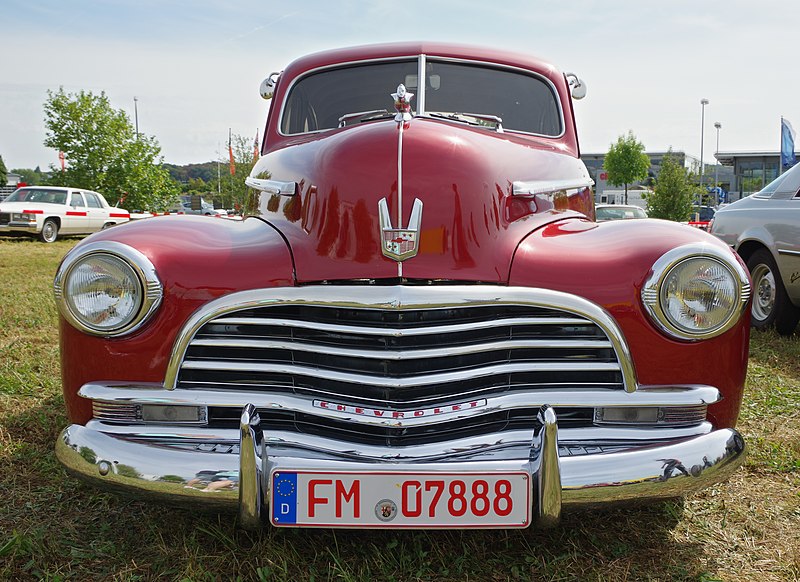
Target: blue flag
(787, 144)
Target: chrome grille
(403, 346)
(401, 349)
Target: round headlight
(696, 293)
(107, 289)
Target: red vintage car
(419, 325)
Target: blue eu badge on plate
(284, 498)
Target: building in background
(12, 182)
(606, 193)
(751, 170)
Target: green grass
(53, 527)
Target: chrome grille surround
(341, 359)
(377, 343)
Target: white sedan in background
(51, 211)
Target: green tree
(626, 162)
(3, 172)
(196, 186)
(234, 191)
(673, 193)
(104, 153)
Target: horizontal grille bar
(394, 331)
(426, 380)
(398, 355)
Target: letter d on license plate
(402, 500)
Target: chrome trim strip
(400, 125)
(468, 445)
(403, 355)
(400, 332)
(534, 187)
(152, 290)
(389, 382)
(674, 396)
(789, 252)
(272, 186)
(402, 298)
(421, 85)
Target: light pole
(703, 103)
(718, 126)
(136, 114)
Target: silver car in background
(764, 229)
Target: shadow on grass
(54, 526)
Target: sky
(195, 66)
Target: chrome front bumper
(192, 466)
(19, 227)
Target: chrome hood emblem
(400, 243)
(402, 103)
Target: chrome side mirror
(267, 88)
(577, 85)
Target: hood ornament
(402, 103)
(400, 243)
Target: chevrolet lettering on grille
(349, 409)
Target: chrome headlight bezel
(652, 290)
(144, 271)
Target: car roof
(414, 49)
(58, 188)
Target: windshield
(524, 101)
(619, 213)
(318, 101)
(46, 196)
(773, 186)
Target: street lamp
(136, 114)
(703, 103)
(718, 126)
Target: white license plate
(398, 500)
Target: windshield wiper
(477, 119)
(362, 116)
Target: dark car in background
(765, 230)
(701, 217)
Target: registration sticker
(400, 500)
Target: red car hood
(471, 222)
